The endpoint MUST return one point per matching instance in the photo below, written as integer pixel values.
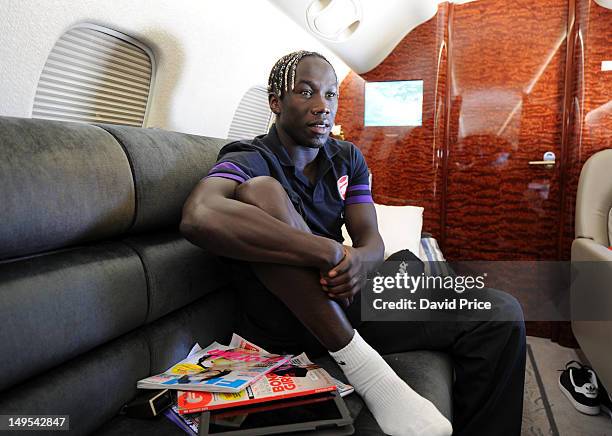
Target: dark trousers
(488, 356)
(488, 359)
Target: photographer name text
(426, 304)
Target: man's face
(306, 113)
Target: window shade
(253, 116)
(95, 76)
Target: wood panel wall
(501, 86)
(506, 105)
(589, 103)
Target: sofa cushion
(166, 166)
(209, 319)
(399, 226)
(177, 271)
(59, 305)
(94, 386)
(170, 339)
(61, 184)
(91, 389)
(594, 198)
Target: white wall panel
(208, 53)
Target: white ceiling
(605, 3)
(377, 26)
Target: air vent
(94, 74)
(334, 20)
(253, 116)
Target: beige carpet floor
(546, 411)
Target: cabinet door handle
(545, 163)
(542, 162)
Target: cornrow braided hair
(282, 74)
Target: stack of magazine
(220, 377)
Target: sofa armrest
(591, 296)
(587, 250)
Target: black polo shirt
(342, 177)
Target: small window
(94, 74)
(253, 116)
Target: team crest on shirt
(342, 185)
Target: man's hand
(345, 279)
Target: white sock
(397, 408)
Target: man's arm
(362, 226)
(215, 220)
(344, 280)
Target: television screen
(397, 103)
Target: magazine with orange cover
(300, 377)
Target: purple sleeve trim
(227, 176)
(358, 188)
(359, 199)
(229, 165)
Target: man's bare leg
(397, 408)
(298, 288)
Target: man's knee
(510, 313)
(268, 194)
(505, 306)
(260, 190)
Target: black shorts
(267, 322)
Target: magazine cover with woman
(217, 368)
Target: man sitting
(276, 204)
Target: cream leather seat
(593, 239)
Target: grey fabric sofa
(97, 287)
